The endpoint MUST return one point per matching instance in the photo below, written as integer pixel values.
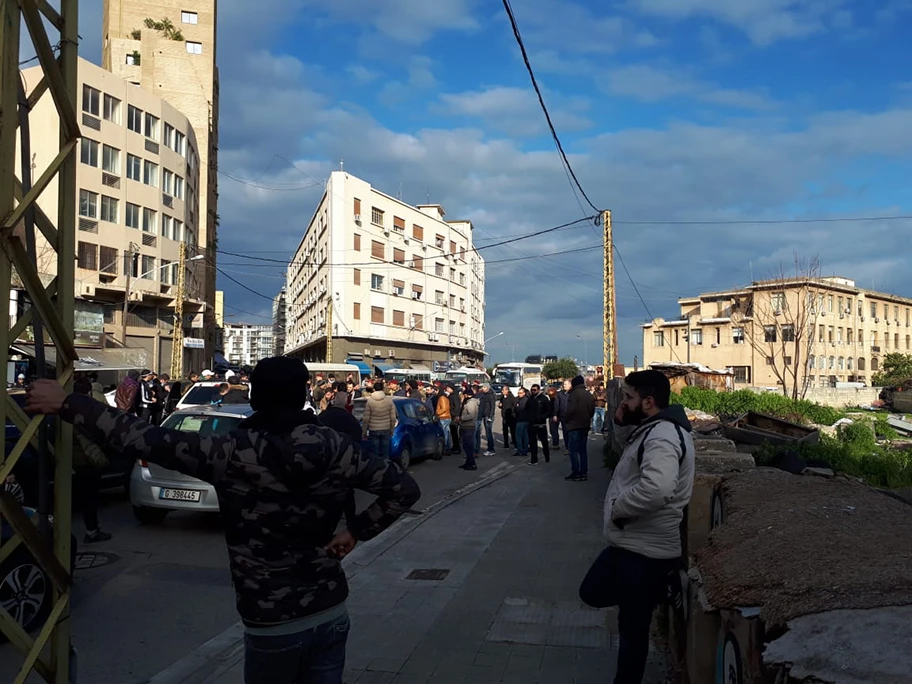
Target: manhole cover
(429, 575)
(94, 559)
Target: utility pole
(610, 310)
(329, 331)
(129, 255)
(177, 338)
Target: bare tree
(778, 319)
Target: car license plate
(180, 494)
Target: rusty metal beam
(45, 225)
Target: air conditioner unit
(888, 321)
(87, 290)
(416, 295)
(386, 232)
(367, 351)
(410, 264)
(714, 345)
(357, 218)
(877, 320)
(848, 310)
(432, 337)
(823, 313)
(405, 239)
(392, 353)
(862, 319)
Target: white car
(202, 394)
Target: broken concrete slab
(708, 443)
(722, 462)
(847, 646)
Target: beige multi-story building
(137, 181)
(168, 48)
(246, 344)
(384, 283)
(813, 332)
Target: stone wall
(839, 398)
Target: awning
(363, 368)
(384, 367)
(128, 358)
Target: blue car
(418, 434)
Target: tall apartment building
(168, 48)
(279, 322)
(137, 182)
(246, 344)
(384, 283)
(819, 330)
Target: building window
(356, 313)
(417, 262)
(438, 325)
(150, 173)
(769, 333)
(110, 159)
(189, 18)
(357, 245)
(167, 181)
(109, 206)
(377, 314)
(111, 109)
(356, 277)
(148, 268)
(738, 335)
(134, 119)
(841, 363)
(376, 216)
(849, 363)
(132, 58)
(151, 126)
(87, 256)
(839, 306)
(861, 363)
(821, 334)
(452, 327)
(453, 275)
(376, 282)
(896, 314)
(178, 186)
(770, 360)
(179, 142)
(398, 287)
(88, 152)
(399, 318)
(131, 216)
(398, 256)
(860, 336)
(658, 338)
(777, 301)
(165, 272)
(438, 270)
(88, 204)
(742, 374)
(134, 167)
(149, 221)
(696, 336)
(398, 224)
(90, 99)
(194, 48)
(417, 321)
(107, 256)
(439, 241)
(452, 247)
(178, 230)
(788, 333)
(418, 234)
(821, 362)
(788, 360)
(873, 309)
(831, 363)
(167, 223)
(830, 303)
(417, 291)
(377, 250)
(849, 335)
(168, 138)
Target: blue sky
(670, 110)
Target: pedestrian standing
(539, 415)
(455, 412)
(468, 419)
(559, 419)
(146, 397)
(337, 417)
(126, 398)
(508, 417)
(442, 411)
(580, 409)
(554, 424)
(88, 461)
(159, 398)
(600, 395)
(650, 488)
(379, 421)
(487, 406)
(522, 422)
(282, 480)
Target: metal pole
(128, 267)
(610, 315)
(177, 337)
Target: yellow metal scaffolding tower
(177, 337)
(610, 362)
(51, 307)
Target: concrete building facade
(246, 344)
(817, 331)
(168, 48)
(381, 281)
(137, 188)
(279, 322)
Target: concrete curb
(209, 661)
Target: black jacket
(539, 408)
(343, 422)
(580, 408)
(488, 405)
(523, 409)
(508, 406)
(455, 405)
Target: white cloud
(653, 84)
(363, 74)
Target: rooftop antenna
(428, 195)
(341, 165)
(399, 194)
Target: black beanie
(279, 383)
(577, 381)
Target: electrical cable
(249, 289)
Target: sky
(672, 113)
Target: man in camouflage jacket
(282, 481)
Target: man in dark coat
(539, 415)
(508, 416)
(580, 409)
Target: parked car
(418, 434)
(156, 491)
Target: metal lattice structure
(51, 311)
(177, 338)
(609, 329)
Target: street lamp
(126, 305)
(485, 343)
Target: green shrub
(729, 405)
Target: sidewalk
(503, 606)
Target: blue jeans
(522, 438)
(598, 419)
(380, 443)
(579, 454)
(447, 437)
(479, 424)
(468, 444)
(488, 425)
(314, 656)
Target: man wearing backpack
(645, 503)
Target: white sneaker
(489, 453)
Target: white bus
(516, 375)
(466, 374)
(401, 375)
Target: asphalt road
(154, 593)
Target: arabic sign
(88, 326)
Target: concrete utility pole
(177, 338)
(609, 363)
(329, 331)
(128, 271)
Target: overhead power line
(246, 287)
(541, 101)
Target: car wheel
(438, 450)
(150, 516)
(405, 457)
(26, 592)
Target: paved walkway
(492, 596)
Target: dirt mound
(796, 545)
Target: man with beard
(645, 503)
